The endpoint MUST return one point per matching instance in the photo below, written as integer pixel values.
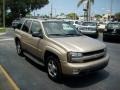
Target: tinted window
(19, 26)
(36, 27)
(113, 26)
(26, 26)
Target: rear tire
(19, 48)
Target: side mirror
(37, 34)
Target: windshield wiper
(73, 34)
(56, 34)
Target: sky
(68, 6)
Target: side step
(33, 58)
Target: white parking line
(2, 33)
(7, 39)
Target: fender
(54, 51)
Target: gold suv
(59, 47)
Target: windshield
(89, 24)
(57, 28)
(113, 26)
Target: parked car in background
(101, 26)
(75, 23)
(89, 29)
(60, 47)
(15, 23)
(112, 31)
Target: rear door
(25, 35)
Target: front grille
(94, 52)
(91, 29)
(110, 30)
(115, 31)
(92, 56)
(93, 59)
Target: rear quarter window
(26, 26)
(19, 26)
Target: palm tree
(87, 9)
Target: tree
(97, 16)
(88, 7)
(23, 7)
(19, 8)
(72, 16)
(117, 16)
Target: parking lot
(31, 76)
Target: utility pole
(111, 5)
(4, 14)
(85, 9)
(51, 13)
(89, 10)
(55, 12)
(30, 10)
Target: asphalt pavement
(31, 76)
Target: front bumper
(111, 35)
(77, 68)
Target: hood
(79, 44)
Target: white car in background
(75, 23)
(89, 28)
(101, 26)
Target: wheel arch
(16, 39)
(50, 53)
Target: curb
(10, 80)
(7, 39)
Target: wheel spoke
(18, 48)
(52, 69)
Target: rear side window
(26, 26)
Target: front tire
(53, 68)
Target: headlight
(74, 56)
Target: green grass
(1, 87)
(2, 30)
